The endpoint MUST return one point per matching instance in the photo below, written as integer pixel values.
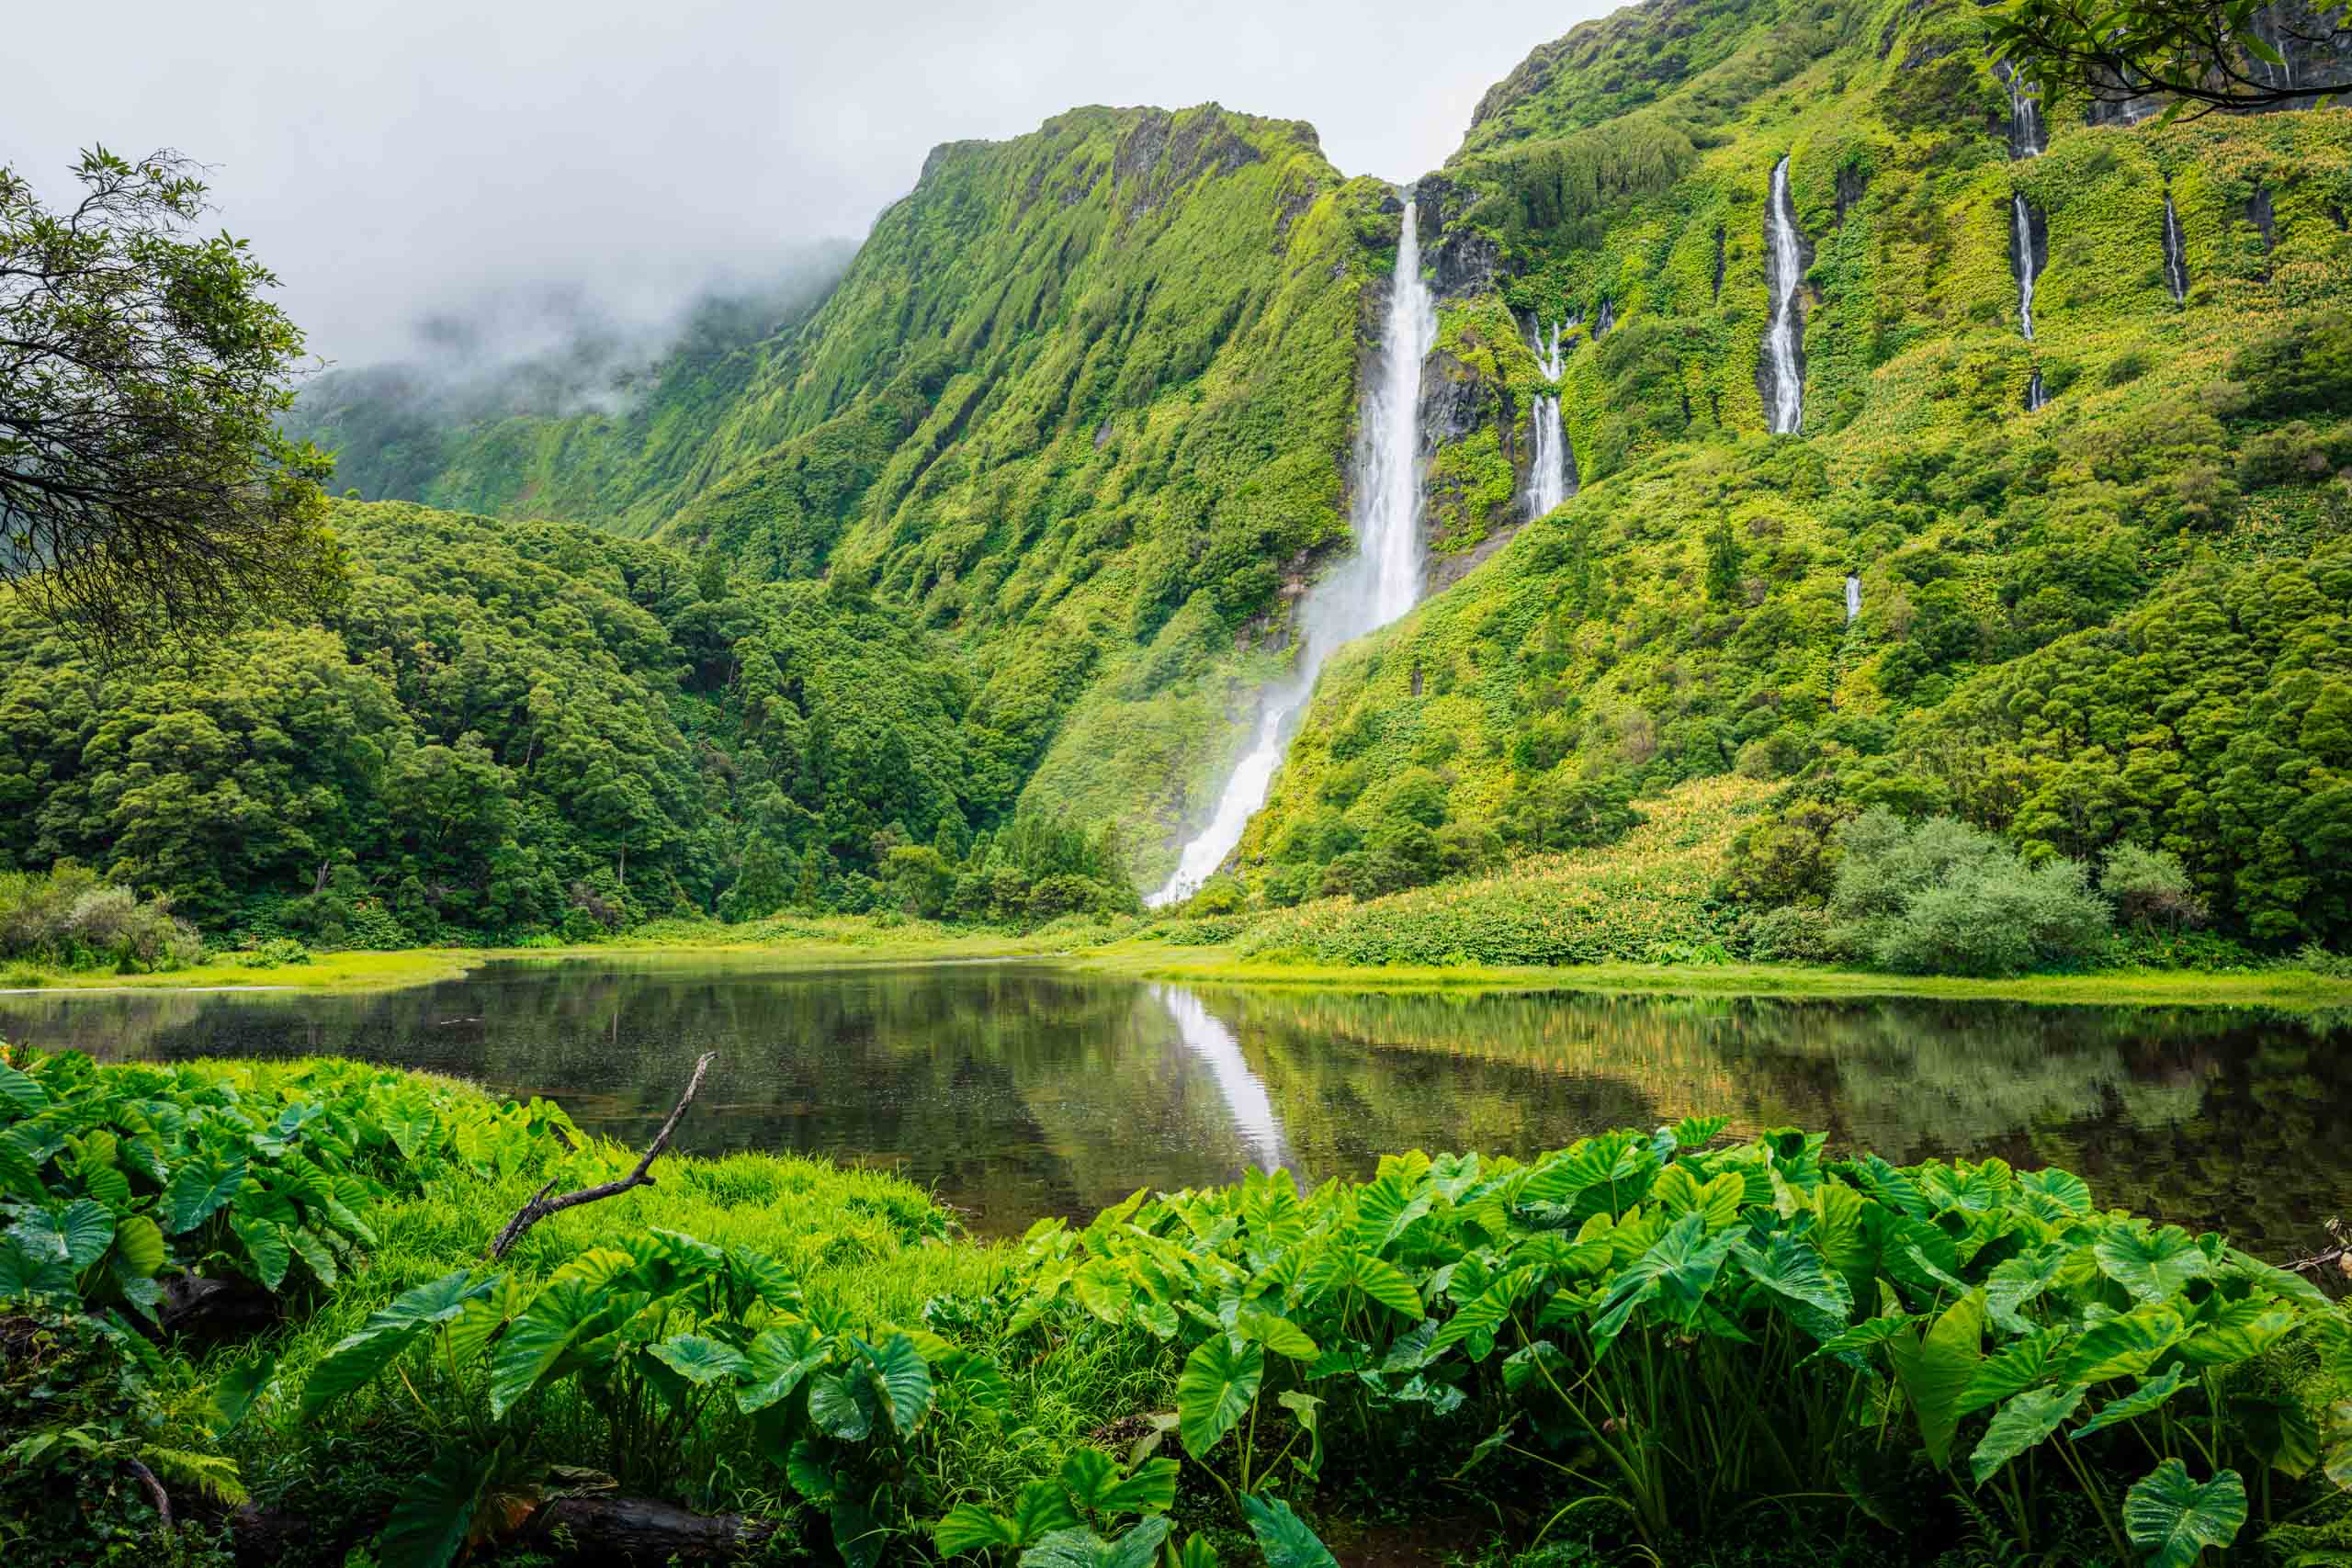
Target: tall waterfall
(2175, 254)
(1369, 590)
(2028, 264)
(1783, 363)
(1553, 478)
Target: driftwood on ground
(640, 1532)
(214, 1309)
(542, 1205)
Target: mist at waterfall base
(1363, 594)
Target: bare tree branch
(542, 1205)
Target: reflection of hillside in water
(2208, 1116)
(1016, 1089)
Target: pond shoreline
(861, 944)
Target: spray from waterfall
(2175, 254)
(1552, 477)
(1372, 588)
(1783, 366)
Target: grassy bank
(1425, 1356)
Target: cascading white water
(1786, 412)
(1549, 481)
(2027, 265)
(2026, 138)
(1372, 588)
(2175, 254)
(1854, 596)
(2036, 394)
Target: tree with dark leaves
(146, 494)
(2203, 54)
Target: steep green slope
(2175, 507)
(1083, 403)
(606, 425)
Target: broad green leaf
(1674, 1276)
(266, 1245)
(139, 1246)
(1148, 1488)
(1794, 1271)
(1215, 1389)
(2123, 1347)
(1041, 1508)
(904, 1380)
(804, 1468)
(699, 1358)
(435, 1513)
(970, 1527)
(1197, 1552)
(2284, 1281)
(409, 1122)
(2152, 1266)
(2063, 1188)
(24, 1274)
(2239, 1332)
(858, 1536)
(578, 1304)
(234, 1391)
(2173, 1517)
(843, 1405)
(388, 1330)
(1083, 1549)
(76, 1235)
(1934, 1369)
(21, 1091)
(2019, 1424)
(1279, 1334)
(1478, 1320)
(199, 1189)
(313, 1254)
(2281, 1430)
(774, 1363)
(1839, 1231)
(1862, 1336)
(2012, 1370)
(1283, 1536)
(2019, 1281)
(1892, 1187)
(2150, 1393)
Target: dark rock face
(2258, 213)
(1462, 260)
(2317, 51)
(1852, 181)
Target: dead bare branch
(542, 1205)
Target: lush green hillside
(2119, 616)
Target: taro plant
(1072, 1516)
(655, 1335)
(112, 1176)
(1679, 1330)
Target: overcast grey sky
(392, 157)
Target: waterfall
(1782, 373)
(2026, 138)
(2175, 254)
(1366, 591)
(2028, 264)
(1604, 320)
(1552, 477)
(2035, 393)
(1853, 597)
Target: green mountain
(1010, 528)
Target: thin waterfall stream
(1372, 588)
(2176, 252)
(1782, 371)
(1551, 477)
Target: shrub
(1783, 935)
(1943, 898)
(72, 917)
(2150, 888)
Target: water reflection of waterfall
(1245, 1098)
(1782, 371)
(1552, 474)
(1374, 587)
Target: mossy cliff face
(1684, 614)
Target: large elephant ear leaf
(575, 1305)
(199, 1189)
(1283, 1537)
(2173, 1517)
(2024, 1421)
(903, 1378)
(1214, 1390)
(2152, 1266)
(430, 1523)
(390, 1329)
(1934, 1369)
